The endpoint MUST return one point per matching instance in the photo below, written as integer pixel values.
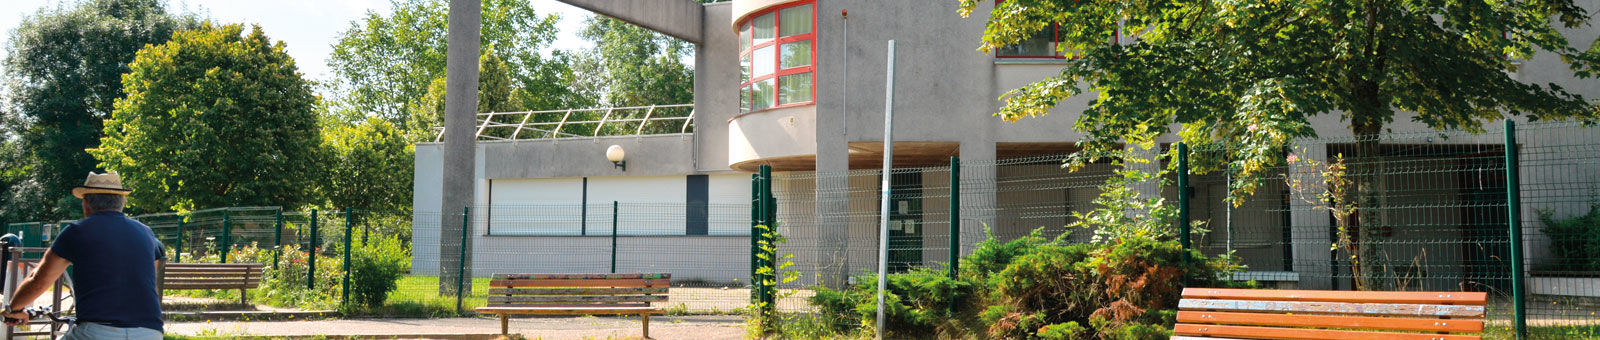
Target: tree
(495, 94)
(214, 118)
(63, 73)
(1249, 75)
(633, 66)
(371, 166)
(384, 65)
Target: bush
(1574, 241)
(917, 304)
(376, 267)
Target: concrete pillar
(978, 191)
(1310, 227)
(833, 198)
(460, 107)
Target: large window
(778, 57)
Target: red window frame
(777, 56)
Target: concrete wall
(548, 158)
(677, 18)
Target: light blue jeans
(94, 331)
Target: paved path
(661, 327)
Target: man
(116, 259)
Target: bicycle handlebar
(35, 313)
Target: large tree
(1250, 75)
(384, 65)
(63, 72)
(369, 166)
(633, 66)
(213, 118)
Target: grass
(418, 297)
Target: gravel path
(661, 327)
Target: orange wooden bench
(576, 294)
(1212, 313)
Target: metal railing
(583, 123)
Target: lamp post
(616, 155)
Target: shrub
(1574, 241)
(916, 304)
(376, 267)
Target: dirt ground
(661, 327)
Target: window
(778, 58)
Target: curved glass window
(778, 57)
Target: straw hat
(106, 183)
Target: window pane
(744, 69)
(761, 95)
(794, 88)
(796, 20)
(744, 38)
(764, 61)
(797, 54)
(744, 99)
(1039, 45)
(764, 28)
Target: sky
(308, 28)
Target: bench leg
(646, 318)
(242, 295)
(505, 324)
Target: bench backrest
(578, 290)
(211, 275)
(1324, 314)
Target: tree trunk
(1369, 272)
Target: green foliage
(1045, 290)
(772, 272)
(62, 74)
(214, 118)
(1249, 76)
(370, 166)
(385, 64)
(495, 94)
(634, 66)
(1574, 241)
(376, 267)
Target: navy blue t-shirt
(113, 270)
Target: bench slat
(584, 276)
(569, 310)
(576, 291)
(1304, 334)
(214, 265)
(211, 270)
(209, 286)
(1427, 298)
(1325, 321)
(1333, 308)
(577, 298)
(618, 283)
(571, 305)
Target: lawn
(418, 296)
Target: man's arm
(38, 282)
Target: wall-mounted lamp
(616, 155)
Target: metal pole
(755, 234)
(227, 235)
(461, 270)
(1514, 215)
(1183, 195)
(613, 237)
(955, 217)
(888, 167)
(349, 229)
(311, 254)
(769, 213)
(277, 236)
(177, 248)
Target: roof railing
(575, 123)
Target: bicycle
(17, 267)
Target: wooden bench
(576, 294)
(1211, 313)
(241, 276)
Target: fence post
(227, 235)
(311, 253)
(461, 269)
(955, 217)
(769, 219)
(177, 248)
(349, 231)
(1183, 196)
(755, 245)
(613, 237)
(277, 235)
(1514, 214)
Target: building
(800, 85)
